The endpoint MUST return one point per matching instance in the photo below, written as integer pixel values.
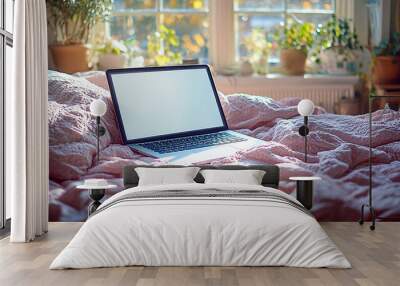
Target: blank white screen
(165, 102)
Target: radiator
(323, 91)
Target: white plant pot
(340, 61)
(136, 62)
(110, 61)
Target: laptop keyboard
(192, 142)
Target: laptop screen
(160, 102)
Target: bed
(199, 224)
(338, 149)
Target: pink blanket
(338, 147)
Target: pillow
(166, 176)
(248, 177)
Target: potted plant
(71, 22)
(162, 47)
(112, 54)
(294, 42)
(338, 50)
(387, 61)
(258, 47)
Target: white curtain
(356, 10)
(26, 124)
(345, 9)
(222, 34)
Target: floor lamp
(98, 108)
(305, 109)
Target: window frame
(226, 35)
(286, 12)
(158, 11)
(6, 39)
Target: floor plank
(375, 257)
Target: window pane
(132, 27)
(310, 5)
(8, 80)
(192, 29)
(259, 5)
(9, 14)
(245, 24)
(313, 18)
(2, 137)
(121, 5)
(201, 5)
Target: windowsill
(323, 90)
(307, 79)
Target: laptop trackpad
(206, 154)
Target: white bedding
(203, 231)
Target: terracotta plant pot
(190, 61)
(348, 107)
(70, 58)
(293, 61)
(386, 70)
(246, 69)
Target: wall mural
(338, 149)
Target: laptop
(173, 113)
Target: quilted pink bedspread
(338, 149)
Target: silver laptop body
(173, 113)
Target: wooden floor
(375, 257)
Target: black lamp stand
(369, 204)
(100, 131)
(96, 195)
(304, 130)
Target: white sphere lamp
(98, 108)
(305, 107)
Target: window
(6, 43)
(267, 15)
(138, 19)
(190, 19)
